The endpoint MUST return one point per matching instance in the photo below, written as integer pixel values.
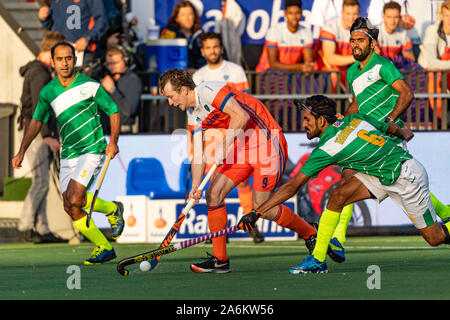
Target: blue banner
(260, 15)
(196, 222)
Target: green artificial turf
(409, 269)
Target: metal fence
(428, 111)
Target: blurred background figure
(185, 24)
(289, 45)
(393, 40)
(83, 23)
(123, 85)
(334, 51)
(33, 222)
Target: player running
(384, 169)
(378, 90)
(254, 145)
(76, 99)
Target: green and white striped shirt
(77, 112)
(372, 87)
(358, 142)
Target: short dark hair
(392, 5)
(290, 3)
(350, 3)
(62, 43)
(364, 23)
(178, 78)
(211, 35)
(319, 106)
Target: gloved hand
(248, 221)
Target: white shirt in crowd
(229, 72)
(425, 12)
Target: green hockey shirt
(77, 112)
(372, 86)
(358, 142)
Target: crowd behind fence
(428, 111)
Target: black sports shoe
(310, 243)
(212, 265)
(48, 238)
(28, 235)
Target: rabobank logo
(196, 223)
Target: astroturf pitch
(408, 269)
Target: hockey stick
(172, 232)
(170, 248)
(99, 184)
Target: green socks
(327, 224)
(100, 205)
(442, 210)
(92, 233)
(341, 228)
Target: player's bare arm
(284, 193)
(403, 133)
(353, 107)
(331, 57)
(198, 165)
(112, 148)
(31, 132)
(272, 54)
(404, 100)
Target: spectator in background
(392, 39)
(416, 16)
(435, 53)
(33, 222)
(323, 11)
(218, 69)
(185, 24)
(123, 85)
(83, 23)
(289, 45)
(334, 51)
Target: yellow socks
(327, 225)
(344, 219)
(442, 210)
(100, 205)
(92, 233)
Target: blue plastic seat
(146, 176)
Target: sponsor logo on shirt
(343, 135)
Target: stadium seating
(146, 176)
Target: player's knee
(434, 239)
(214, 195)
(434, 242)
(338, 198)
(74, 201)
